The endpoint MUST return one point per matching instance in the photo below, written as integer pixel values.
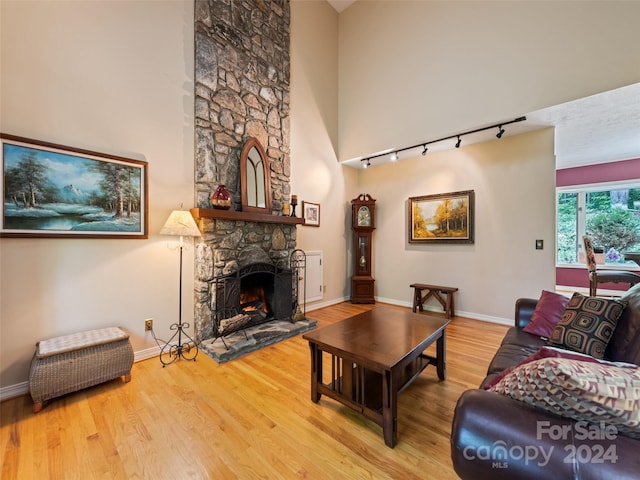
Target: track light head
(500, 131)
(394, 157)
(424, 151)
(458, 142)
(367, 164)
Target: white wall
(513, 181)
(113, 77)
(315, 172)
(417, 71)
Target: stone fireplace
(241, 92)
(238, 259)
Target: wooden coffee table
(374, 356)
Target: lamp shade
(180, 223)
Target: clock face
(364, 217)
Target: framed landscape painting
(442, 218)
(54, 191)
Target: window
(608, 213)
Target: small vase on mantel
(221, 199)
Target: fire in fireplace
(254, 303)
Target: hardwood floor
(249, 418)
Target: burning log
(252, 299)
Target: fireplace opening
(255, 294)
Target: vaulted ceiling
(596, 129)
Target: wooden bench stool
(70, 363)
(435, 291)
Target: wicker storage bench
(70, 363)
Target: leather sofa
(497, 437)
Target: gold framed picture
(442, 218)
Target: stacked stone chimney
(241, 91)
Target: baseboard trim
(13, 391)
(146, 353)
(433, 308)
(22, 388)
(319, 305)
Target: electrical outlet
(148, 324)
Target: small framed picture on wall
(311, 214)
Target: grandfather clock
(363, 224)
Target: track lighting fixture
(395, 155)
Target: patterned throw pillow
(552, 352)
(583, 391)
(587, 324)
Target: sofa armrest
(495, 437)
(524, 310)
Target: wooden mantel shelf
(199, 213)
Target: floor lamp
(180, 223)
